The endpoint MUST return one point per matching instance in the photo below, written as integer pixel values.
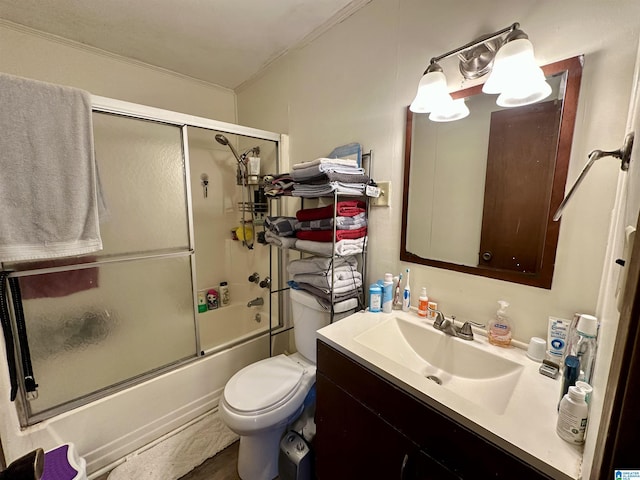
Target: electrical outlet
(384, 199)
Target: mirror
(479, 194)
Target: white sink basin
(473, 370)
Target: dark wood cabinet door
(352, 442)
(368, 428)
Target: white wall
(354, 82)
(29, 54)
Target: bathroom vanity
(381, 412)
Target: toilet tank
(308, 317)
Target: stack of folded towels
(324, 176)
(314, 229)
(311, 229)
(276, 185)
(322, 276)
(281, 231)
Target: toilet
(263, 398)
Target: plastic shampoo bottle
(499, 331)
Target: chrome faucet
(256, 302)
(449, 327)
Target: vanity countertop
(526, 427)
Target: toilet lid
(264, 384)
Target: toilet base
(258, 454)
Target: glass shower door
(96, 322)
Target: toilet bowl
(263, 398)
(258, 404)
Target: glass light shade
(525, 91)
(450, 111)
(432, 92)
(513, 58)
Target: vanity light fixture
(514, 75)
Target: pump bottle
(499, 331)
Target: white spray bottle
(406, 295)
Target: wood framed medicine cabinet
(479, 194)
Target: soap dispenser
(499, 329)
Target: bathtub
(108, 430)
(229, 325)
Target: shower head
(222, 140)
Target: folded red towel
(327, 235)
(346, 208)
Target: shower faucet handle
(254, 278)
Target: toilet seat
(264, 386)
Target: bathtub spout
(256, 302)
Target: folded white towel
(48, 186)
(284, 242)
(346, 246)
(324, 161)
(317, 171)
(320, 265)
(307, 190)
(340, 284)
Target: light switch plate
(385, 195)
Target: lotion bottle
(499, 331)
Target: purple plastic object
(56, 465)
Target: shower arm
(624, 154)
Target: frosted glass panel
(121, 320)
(141, 169)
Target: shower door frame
(183, 121)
